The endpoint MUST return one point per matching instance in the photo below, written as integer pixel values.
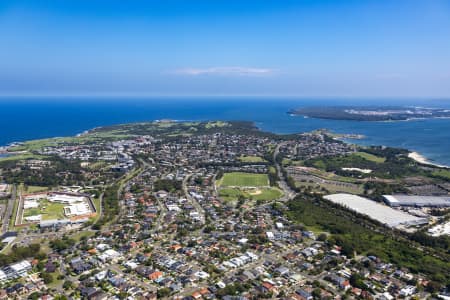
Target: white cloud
(228, 71)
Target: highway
(9, 209)
(288, 192)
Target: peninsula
(371, 113)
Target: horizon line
(154, 95)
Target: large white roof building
(379, 212)
(418, 201)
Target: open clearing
(241, 179)
(333, 188)
(35, 189)
(442, 173)
(251, 159)
(371, 157)
(265, 193)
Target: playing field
(244, 180)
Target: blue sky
(271, 48)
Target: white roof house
(21, 268)
(3, 276)
(102, 247)
(109, 254)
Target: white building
(202, 275)
(35, 197)
(21, 268)
(77, 209)
(65, 198)
(109, 255)
(408, 290)
(36, 218)
(27, 204)
(382, 213)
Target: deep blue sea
(32, 118)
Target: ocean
(33, 118)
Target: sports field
(242, 179)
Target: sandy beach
(421, 159)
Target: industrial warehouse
(376, 211)
(417, 201)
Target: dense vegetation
(172, 129)
(110, 204)
(378, 189)
(167, 185)
(357, 233)
(395, 165)
(62, 244)
(18, 253)
(52, 175)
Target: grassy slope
(371, 157)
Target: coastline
(423, 160)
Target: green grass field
(35, 189)
(251, 159)
(22, 156)
(48, 210)
(265, 194)
(442, 173)
(97, 205)
(357, 189)
(242, 179)
(371, 157)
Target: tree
(67, 285)
(316, 293)
(322, 237)
(433, 287)
(356, 280)
(164, 292)
(46, 277)
(34, 296)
